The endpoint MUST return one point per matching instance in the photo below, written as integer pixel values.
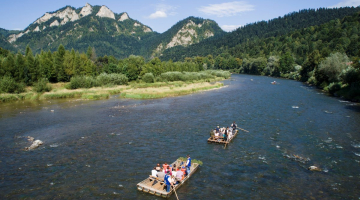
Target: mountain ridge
(110, 33)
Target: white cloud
(345, 3)
(158, 14)
(162, 11)
(230, 28)
(227, 9)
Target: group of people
(224, 133)
(172, 174)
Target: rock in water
(34, 145)
(314, 168)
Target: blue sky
(160, 15)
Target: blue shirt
(166, 179)
(188, 162)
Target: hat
(183, 167)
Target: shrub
(219, 73)
(42, 86)
(108, 79)
(330, 69)
(171, 76)
(81, 82)
(148, 78)
(350, 75)
(9, 85)
(334, 87)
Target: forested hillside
(326, 55)
(264, 29)
(107, 35)
(107, 32)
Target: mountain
(263, 29)
(109, 33)
(96, 26)
(186, 32)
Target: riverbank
(133, 90)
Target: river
(102, 149)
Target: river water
(102, 149)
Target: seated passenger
(179, 174)
(173, 170)
(216, 135)
(158, 168)
(230, 135)
(184, 171)
(165, 166)
(160, 175)
(153, 172)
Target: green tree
(286, 63)
(132, 67)
(9, 65)
(59, 64)
(20, 67)
(311, 62)
(30, 75)
(47, 65)
(330, 68)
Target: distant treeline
(88, 70)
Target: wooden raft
(221, 140)
(158, 188)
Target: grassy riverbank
(132, 90)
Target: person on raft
(168, 181)
(188, 165)
(233, 126)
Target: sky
(161, 15)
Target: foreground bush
(42, 86)
(9, 85)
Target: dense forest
(258, 30)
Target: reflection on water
(102, 149)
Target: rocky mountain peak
(86, 10)
(105, 12)
(124, 17)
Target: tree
(132, 67)
(59, 64)
(69, 60)
(311, 62)
(9, 65)
(46, 65)
(329, 70)
(30, 75)
(20, 67)
(286, 63)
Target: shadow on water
(102, 149)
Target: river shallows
(102, 149)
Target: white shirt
(153, 172)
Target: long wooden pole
(243, 129)
(175, 193)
